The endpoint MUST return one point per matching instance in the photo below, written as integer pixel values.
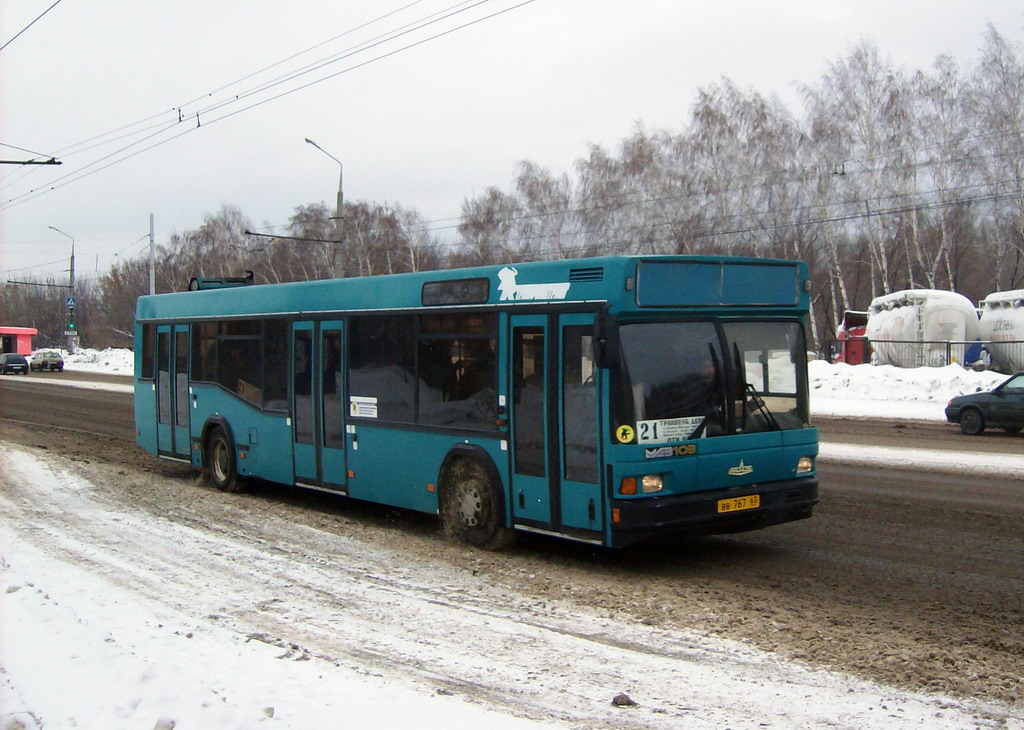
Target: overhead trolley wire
(348, 53)
(381, 57)
(29, 25)
(319, 45)
(177, 114)
(175, 110)
(120, 155)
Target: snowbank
(116, 361)
(886, 391)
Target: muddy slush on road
(881, 588)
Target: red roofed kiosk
(17, 339)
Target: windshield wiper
(758, 401)
(755, 397)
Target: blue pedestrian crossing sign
(70, 302)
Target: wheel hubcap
(220, 461)
(469, 507)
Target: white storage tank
(1002, 324)
(910, 328)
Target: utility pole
(72, 329)
(339, 262)
(152, 257)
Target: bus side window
(528, 397)
(163, 377)
(579, 407)
(148, 334)
(334, 435)
(382, 362)
(275, 365)
(204, 351)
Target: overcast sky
(424, 127)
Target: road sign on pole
(70, 301)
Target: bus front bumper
(698, 513)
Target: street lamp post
(71, 332)
(339, 265)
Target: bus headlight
(652, 483)
(648, 484)
(805, 465)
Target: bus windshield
(712, 379)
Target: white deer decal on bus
(510, 290)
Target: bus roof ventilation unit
(594, 273)
(201, 283)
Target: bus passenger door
(555, 425)
(331, 416)
(580, 492)
(303, 412)
(173, 437)
(317, 430)
(533, 483)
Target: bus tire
(221, 463)
(472, 509)
(972, 422)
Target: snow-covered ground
(114, 361)
(78, 649)
(886, 391)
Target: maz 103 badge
(665, 452)
(668, 430)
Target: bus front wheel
(471, 507)
(220, 461)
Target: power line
(119, 155)
(648, 226)
(630, 244)
(8, 272)
(338, 56)
(139, 240)
(379, 58)
(181, 117)
(303, 52)
(348, 53)
(29, 25)
(177, 110)
(127, 131)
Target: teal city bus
(607, 400)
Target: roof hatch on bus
(201, 283)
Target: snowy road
(210, 613)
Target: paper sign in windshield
(668, 430)
(362, 406)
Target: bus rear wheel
(471, 507)
(220, 461)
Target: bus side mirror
(606, 339)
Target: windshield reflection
(687, 380)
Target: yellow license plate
(735, 504)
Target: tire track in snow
(332, 599)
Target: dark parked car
(11, 362)
(1003, 407)
(47, 360)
